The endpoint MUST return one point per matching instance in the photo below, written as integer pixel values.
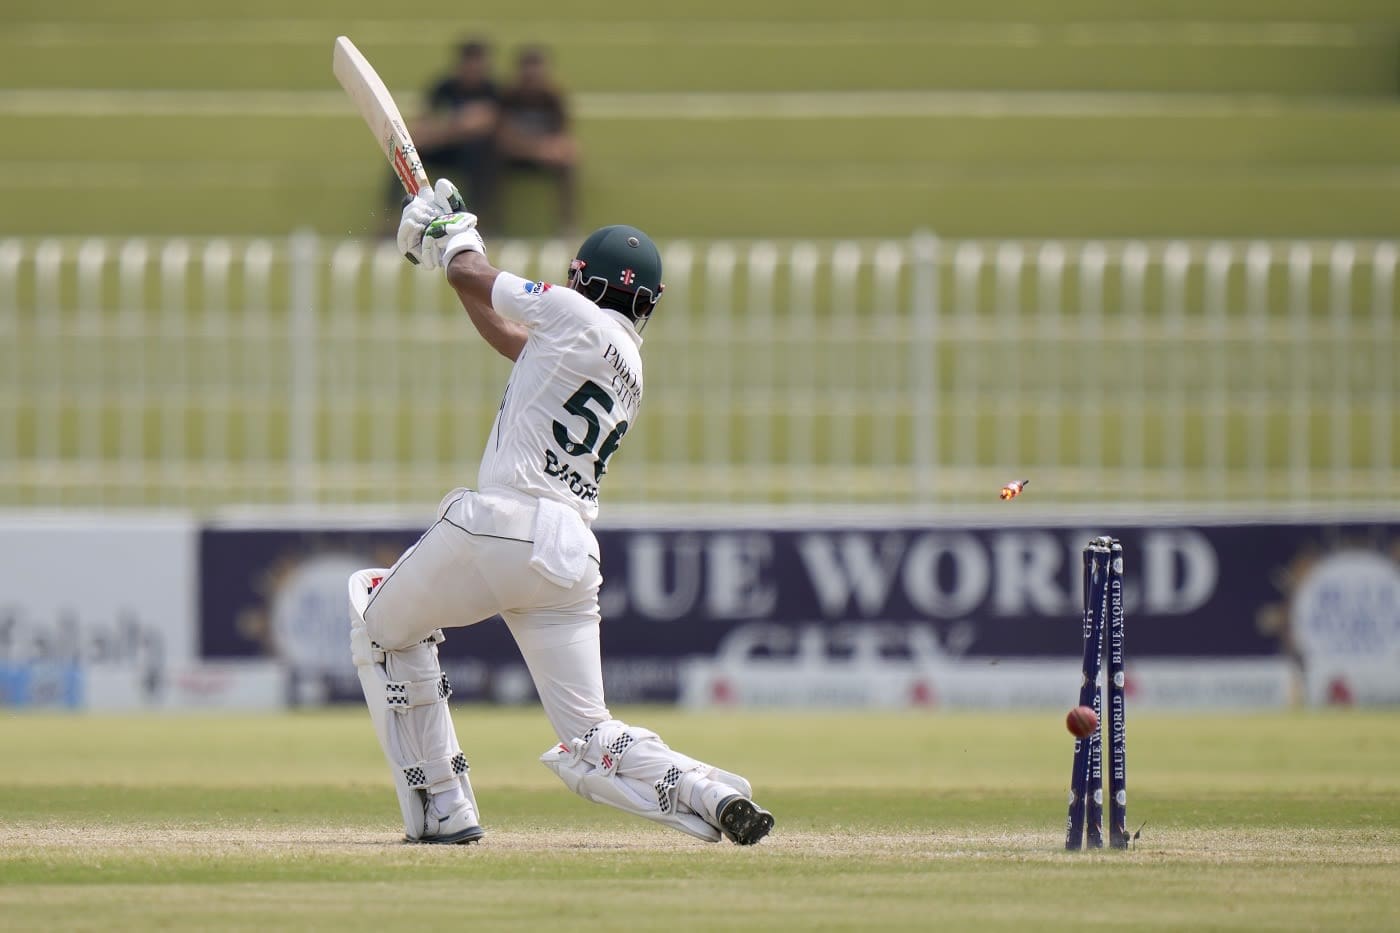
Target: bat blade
(376, 105)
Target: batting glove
(447, 197)
(452, 231)
(421, 211)
(431, 223)
(417, 214)
(449, 235)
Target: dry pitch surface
(885, 821)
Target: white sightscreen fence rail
(210, 372)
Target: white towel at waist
(562, 543)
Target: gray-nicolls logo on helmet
(619, 267)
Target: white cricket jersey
(573, 393)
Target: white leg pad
(407, 693)
(740, 784)
(633, 770)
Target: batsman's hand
(448, 198)
(449, 235)
(451, 231)
(435, 225)
(417, 214)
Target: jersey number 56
(577, 405)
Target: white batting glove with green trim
(420, 212)
(417, 214)
(448, 198)
(449, 235)
(451, 231)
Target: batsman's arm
(437, 230)
(472, 278)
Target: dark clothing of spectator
(534, 136)
(471, 132)
(534, 111)
(469, 159)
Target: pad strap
(666, 789)
(614, 750)
(435, 637)
(428, 774)
(610, 745)
(376, 652)
(403, 695)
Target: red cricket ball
(1082, 721)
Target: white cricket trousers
(472, 564)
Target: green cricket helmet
(619, 267)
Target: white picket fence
(906, 371)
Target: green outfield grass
(1311, 169)
(844, 52)
(886, 821)
(562, 14)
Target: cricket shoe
(458, 828)
(742, 821)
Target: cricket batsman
(521, 546)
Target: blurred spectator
(534, 130)
(456, 136)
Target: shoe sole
(463, 837)
(744, 822)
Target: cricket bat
(378, 109)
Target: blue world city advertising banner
(887, 615)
